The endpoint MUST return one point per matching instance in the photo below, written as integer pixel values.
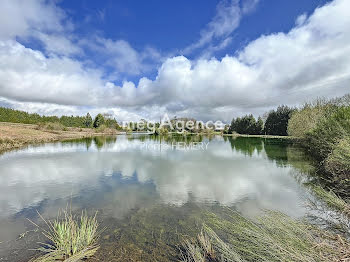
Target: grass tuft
(70, 238)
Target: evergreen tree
(88, 120)
(99, 120)
(259, 126)
(277, 121)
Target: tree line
(276, 123)
(18, 116)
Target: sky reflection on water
(117, 175)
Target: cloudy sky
(139, 59)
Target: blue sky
(171, 26)
(139, 59)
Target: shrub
(306, 119)
(56, 126)
(338, 161)
(101, 129)
(328, 133)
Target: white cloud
(19, 17)
(58, 44)
(227, 18)
(122, 57)
(310, 60)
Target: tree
(277, 121)
(99, 120)
(88, 120)
(259, 130)
(246, 125)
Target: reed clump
(70, 238)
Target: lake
(147, 190)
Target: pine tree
(99, 120)
(88, 120)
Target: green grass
(272, 237)
(70, 238)
(332, 200)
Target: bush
(328, 133)
(52, 126)
(338, 161)
(101, 129)
(305, 120)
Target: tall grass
(272, 237)
(70, 238)
(332, 200)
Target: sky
(211, 60)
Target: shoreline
(17, 135)
(261, 136)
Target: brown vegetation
(13, 135)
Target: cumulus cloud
(19, 17)
(308, 61)
(121, 56)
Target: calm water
(135, 180)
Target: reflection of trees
(281, 151)
(276, 149)
(101, 141)
(298, 158)
(87, 141)
(246, 145)
(171, 138)
(286, 153)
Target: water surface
(123, 176)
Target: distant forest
(17, 116)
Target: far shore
(17, 135)
(261, 136)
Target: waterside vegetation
(70, 238)
(272, 237)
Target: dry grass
(13, 135)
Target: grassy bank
(13, 135)
(324, 128)
(271, 237)
(193, 234)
